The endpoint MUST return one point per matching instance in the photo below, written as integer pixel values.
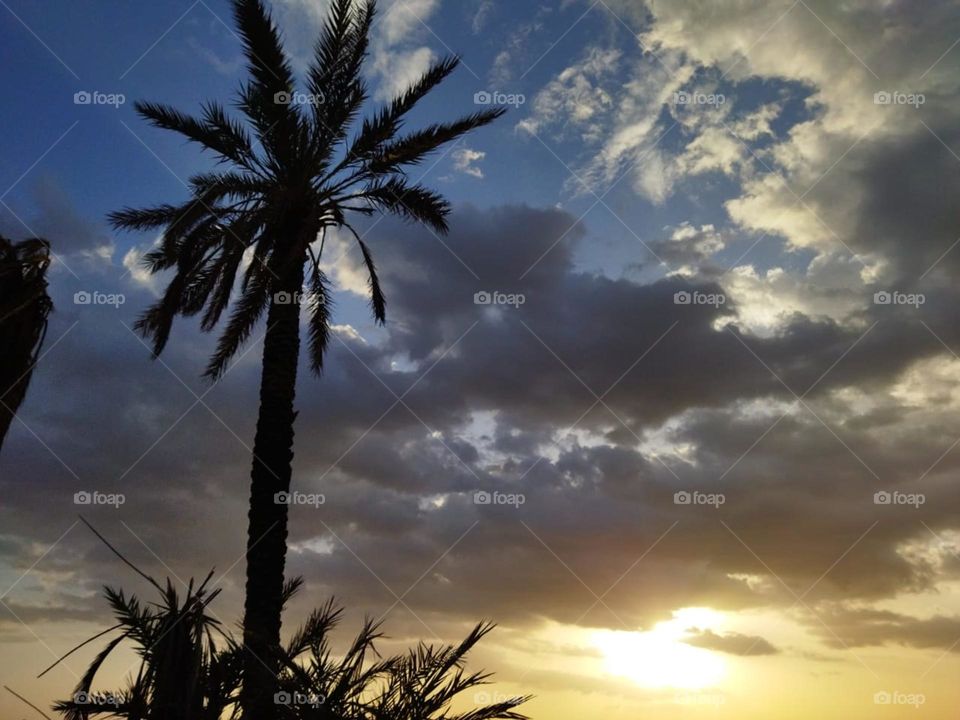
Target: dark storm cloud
(909, 186)
(859, 627)
(51, 213)
(12, 614)
(492, 396)
(732, 643)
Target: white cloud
(616, 120)
(482, 15)
(348, 332)
(700, 243)
(767, 300)
(341, 264)
(464, 159)
(397, 60)
(397, 70)
(139, 274)
(402, 18)
(576, 99)
(396, 56)
(839, 52)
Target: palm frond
(383, 125)
(219, 297)
(148, 218)
(321, 314)
(213, 186)
(235, 141)
(330, 51)
(378, 301)
(413, 148)
(412, 202)
(189, 286)
(220, 140)
(185, 675)
(261, 100)
(249, 309)
(262, 46)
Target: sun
(659, 658)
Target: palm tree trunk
(267, 533)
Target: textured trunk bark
(267, 534)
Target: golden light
(659, 658)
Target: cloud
(397, 70)
(731, 643)
(132, 261)
(498, 401)
(855, 196)
(228, 68)
(50, 212)
(464, 159)
(687, 248)
(862, 627)
(400, 19)
(396, 60)
(397, 57)
(482, 15)
(574, 98)
(598, 398)
(518, 54)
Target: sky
(675, 402)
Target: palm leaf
(321, 307)
(413, 202)
(24, 309)
(413, 148)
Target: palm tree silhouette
(297, 176)
(24, 308)
(191, 668)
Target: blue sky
(161, 45)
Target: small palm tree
(191, 669)
(180, 661)
(418, 685)
(24, 308)
(293, 173)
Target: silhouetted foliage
(190, 669)
(24, 307)
(292, 172)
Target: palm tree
(24, 307)
(181, 664)
(294, 173)
(191, 669)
